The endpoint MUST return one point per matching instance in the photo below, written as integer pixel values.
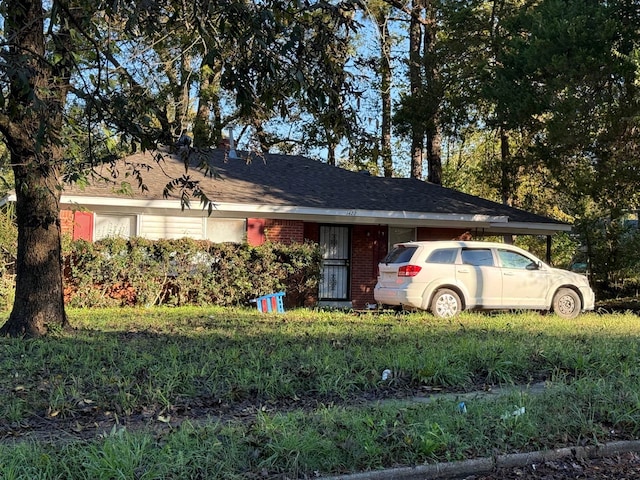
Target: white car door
(525, 283)
(481, 277)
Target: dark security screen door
(334, 242)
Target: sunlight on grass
(163, 362)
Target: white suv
(451, 276)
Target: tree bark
(207, 131)
(434, 96)
(39, 296)
(415, 79)
(381, 17)
(31, 128)
(434, 154)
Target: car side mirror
(533, 266)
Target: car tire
(446, 303)
(567, 303)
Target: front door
(334, 242)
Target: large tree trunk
(32, 127)
(39, 299)
(507, 184)
(434, 155)
(434, 96)
(416, 85)
(381, 17)
(207, 131)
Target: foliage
(8, 247)
(609, 252)
(295, 388)
(118, 271)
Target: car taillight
(409, 270)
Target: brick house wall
(66, 222)
(369, 246)
(425, 234)
(260, 230)
(284, 231)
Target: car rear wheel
(446, 303)
(567, 303)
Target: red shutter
(83, 226)
(255, 231)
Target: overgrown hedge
(142, 272)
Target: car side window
(509, 259)
(443, 255)
(479, 257)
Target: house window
(401, 234)
(221, 230)
(114, 226)
(155, 227)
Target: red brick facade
(66, 222)
(284, 231)
(425, 234)
(261, 230)
(369, 246)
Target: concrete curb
(488, 464)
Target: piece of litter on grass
(386, 375)
(164, 418)
(516, 413)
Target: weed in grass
(120, 455)
(13, 408)
(445, 371)
(28, 460)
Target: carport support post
(549, 249)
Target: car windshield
(400, 254)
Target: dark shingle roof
(284, 180)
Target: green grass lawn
(224, 393)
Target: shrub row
(142, 272)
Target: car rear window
(443, 255)
(400, 254)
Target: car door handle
(463, 270)
(508, 274)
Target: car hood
(572, 277)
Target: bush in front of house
(140, 272)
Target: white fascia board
(496, 223)
(284, 210)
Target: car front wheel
(446, 303)
(566, 303)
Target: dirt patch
(624, 466)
